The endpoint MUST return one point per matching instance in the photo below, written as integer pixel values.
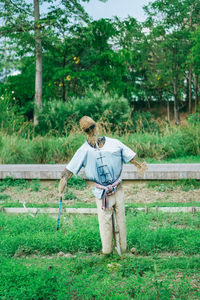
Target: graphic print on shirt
(103, 170)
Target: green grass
(179, 160)
(85, 277)
(185, 185)
(78, 183)
(20, 184)
(80, 204)
(148, 233)
(167, 265)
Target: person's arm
(129, 155)
(72, 168)
(65, 176)
(141, 167)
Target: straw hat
(87, 123)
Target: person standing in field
(102, 159)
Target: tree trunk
(196, 87)
(168, 111)
(5, 71)
(38, 73)
(176, 108)
(63, 81)
(190, 91)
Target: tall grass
(17, 150)
(169, 143)
(173, 144)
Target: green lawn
(166, 266)
(85, 277)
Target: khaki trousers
(115, 201)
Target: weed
(4, 197)
(69, 195)
(12, 182)
(2, 188)
(184, 184)
(188, 184)
(35, 185)
(77, 183)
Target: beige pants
(105, 220)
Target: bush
(191, 139)
(55, 117)
(194, 119)
(11, 119)
(59, 118)
(144, 122)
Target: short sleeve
(127, 153)
(77, 161)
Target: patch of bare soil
(140, 193)
(134, 193)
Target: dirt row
(135, 192)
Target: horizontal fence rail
(92, 211)
(52, 172)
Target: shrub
(194, 119)
(59, 118)
(55, 117)
(191, 139)
(144, 122)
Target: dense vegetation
(145, 65)
(170, 144)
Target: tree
(196, 63)
(38, 54)
(30, 33)
(178, 17)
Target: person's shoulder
(112, 140)
(84, 146)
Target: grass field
(38, 262)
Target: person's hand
(141, 169)
(62, 185)
(66, 174)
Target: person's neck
(96, 142)
(93, 140)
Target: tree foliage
(152, 61)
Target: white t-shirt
(102, 165)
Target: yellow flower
(76, 60)
(60, 84)
(68, 77)
(158, 78)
